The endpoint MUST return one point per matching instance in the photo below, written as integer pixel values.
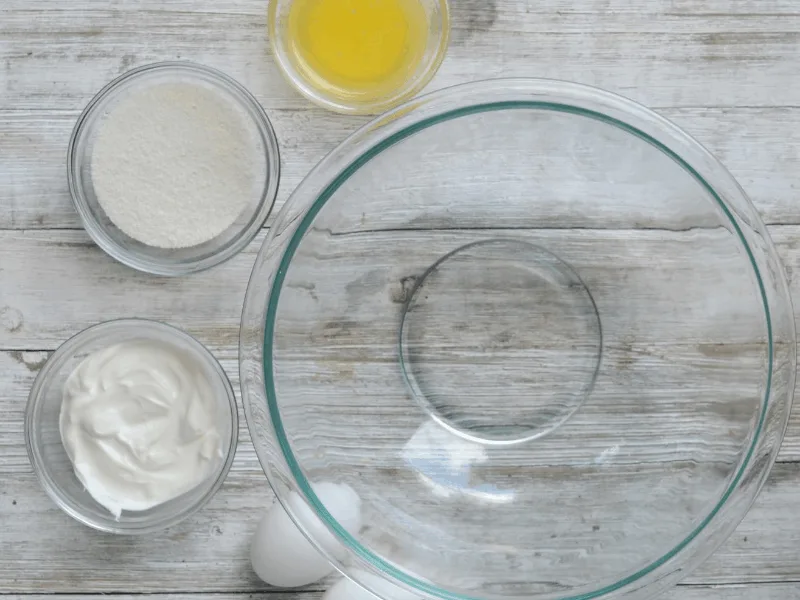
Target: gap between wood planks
(313, 593)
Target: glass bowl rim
(42, 381)
(406, 123)
(361, 108)
(97, 231)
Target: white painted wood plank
(18, 369)
(764, 591)
(759, 146)
(92, 287)
(43, 549)
(761, 547)
(42, 266)
(57, 58)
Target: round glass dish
(541, 332)
(348, 101)
(170, 261)
(51, 462)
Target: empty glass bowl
(51, 462)
(538, 329)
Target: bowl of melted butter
(359, 56)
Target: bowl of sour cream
(131, 426)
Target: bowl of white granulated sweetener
(131, 426)
(173, 168)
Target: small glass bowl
(51, 462)
(438, 36)
(129, 251)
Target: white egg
(345, 589)
(282, 556)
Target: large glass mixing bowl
(538, 329)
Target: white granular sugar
(174, 164)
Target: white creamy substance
(139, 421)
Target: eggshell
(344, 505)
(345, 589)
(282, 556)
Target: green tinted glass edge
(308, 219)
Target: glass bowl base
(508, 364)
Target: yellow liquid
(357, 49)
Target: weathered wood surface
(725, 70)
(208, 306)
(721, 592)
(662, 52)
(41, 265)
(759, 145)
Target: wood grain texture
(725, 70)
(33, 146)
(64, 264)
(765, 591)
(641, 48)
(44, 549)
(758, 145)
(208, 552)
